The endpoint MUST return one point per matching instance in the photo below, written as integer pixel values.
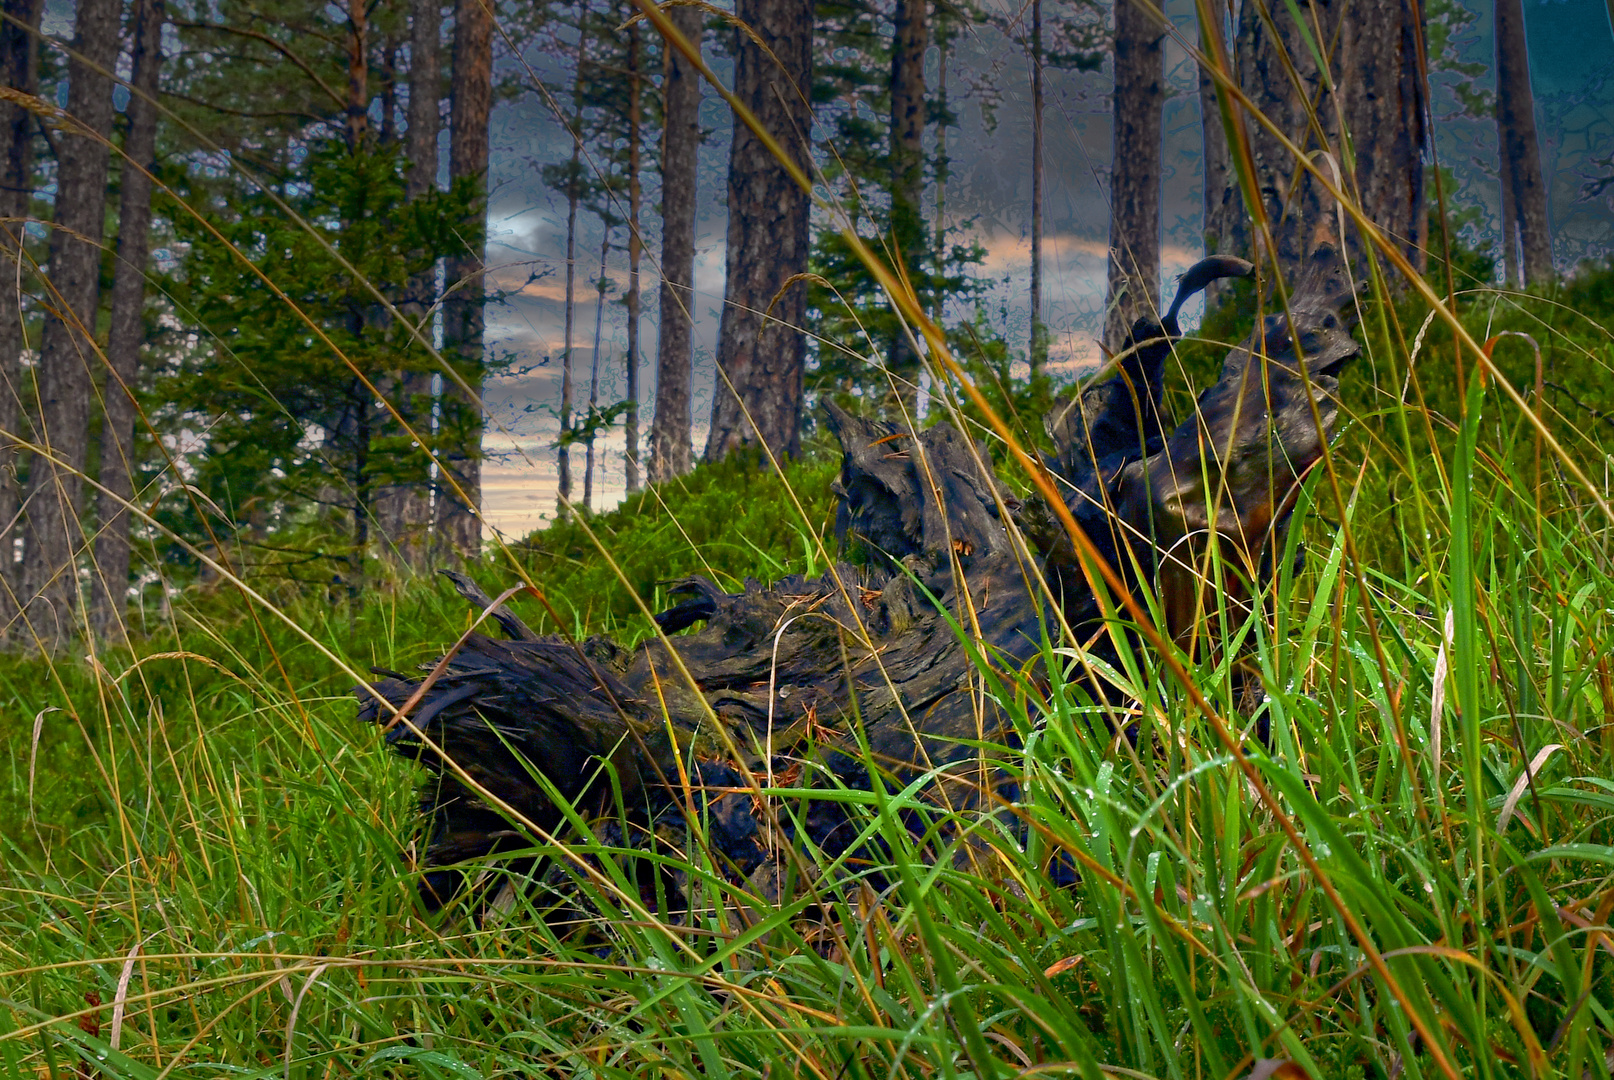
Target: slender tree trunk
(126, 331)
(911, 37)
(938, 232)
(68, 354)
(594, 366)
(1226, 224)
(459, 512)
(358, 74)
(355, 431)
(362, 484)
(763, 359)
(19, 55)
(1039, 334)
(574, 178)
(1134, 262)
(389, 92)
(670, 438)
(404, 511)
(1510, 232)
(630, 428)
(1521, 148)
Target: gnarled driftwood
(782, 679)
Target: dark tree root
(809, 682)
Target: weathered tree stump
(796, 678)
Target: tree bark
(1134, 254)
(670, 439)
(910, 39)
(68, 356)
(761, 353)
(389, 92)
(1381, 86)
(404, 512)
(459, 521)
(1510, 232)
(1293, 205)
(630, 427)
(563, 454)
(594, 365)
(1521, 148)
(1226, 225)
(1039, 334)
(19, 55)
(126, 331)
(1372, 49)
(358, 74)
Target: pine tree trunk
(126, 332)
(1226, 226)
(1381, 88)
(1372, 48)
(594, 366)
(389, 92)
(459, 530)
(1134, 260)
(670, 447)
(761, 362)
(1294, 206)
(69, 356)
(1510, 232)
(630, 428)
(404, 511)
(19, 67)
(910, 39)
(1039, 333)
(358, 74)
(1521, 149)
(563, 454)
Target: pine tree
(263, 380)
(19, 66)
(761, 356)
(126, 329)
(1372, 90)
(877, 172)
(403, 513)
(1072, 36)
(458, 529)
(670, 439)
(1225, 224)
(635, 81)
(1526, 239)
(571, 181)
(69, 357)
(907, 239)
(604, 177)
(1135, 163)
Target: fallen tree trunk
(884, 671)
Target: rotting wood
(952, 567)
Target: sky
(1572, 64)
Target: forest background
(273, 95)
(989, 193)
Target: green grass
(205, 841)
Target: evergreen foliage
(296, 342)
